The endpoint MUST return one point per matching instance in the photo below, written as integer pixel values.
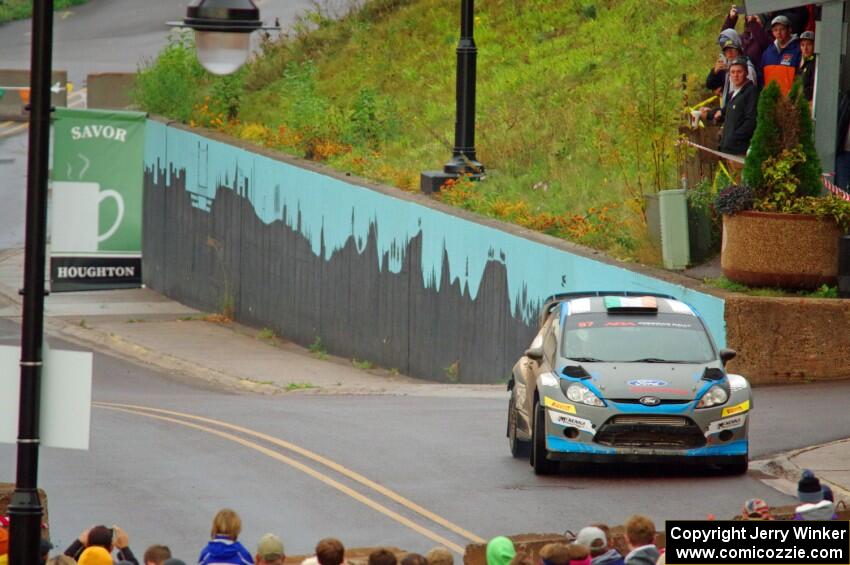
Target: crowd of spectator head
(593, 545)
(772, 47)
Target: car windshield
(652, 338)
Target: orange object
(4, 541)
(781, 74)
(25, 95)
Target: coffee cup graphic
(75, 216)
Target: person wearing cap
(754, 39)
(756, 509)
(806, 72)
(718, 77)
(781, 59)
(269, 551)
(601, 553)
(738, 114)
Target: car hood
(667, 381)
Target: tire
(518, 447)
(737, 465)
(542, 466)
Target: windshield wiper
(656, 360)
(586, 359)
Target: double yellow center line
(217, 427)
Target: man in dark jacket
(738, 115)
(806, 72)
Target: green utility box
(675, 243)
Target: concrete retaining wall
(11, 104)
(110, 91)
(781, 340)
(375, 273)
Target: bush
(733, 199)
(169, 84)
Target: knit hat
(808, 488)
(756, 509)
(827, 493)
(95, 556)
(823, 510)
(270, 547)
(500, 551)
(593, 538)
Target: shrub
(733, 199)
(168, 85)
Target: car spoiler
(550, 303)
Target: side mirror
(535, 353)
(727, 355)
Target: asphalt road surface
(163, 475)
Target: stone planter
(781, 250)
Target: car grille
(637, 401)
(650, 431)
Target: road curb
(782, 472)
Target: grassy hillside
(578, 102)
(21, 9)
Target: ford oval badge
(650, 401)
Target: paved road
(164, 480)
(113, 35)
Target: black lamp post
(463, 159)
(25, 509)
(223, 29)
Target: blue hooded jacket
(225, 551)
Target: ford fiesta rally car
(617, 376)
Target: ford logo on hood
(650, 401)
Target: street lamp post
(223, 29)
(463, 161)
(25, 511)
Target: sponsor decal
(737, 409)
(588, 324)
(572, 421)
(90, 273)
(620, 324)
(630, 302)
(648, 383)
(94, 131)
(657, 390)
(556, 405)
(726, 424)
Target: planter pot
(781, 250)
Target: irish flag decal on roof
(632, 303)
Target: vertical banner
(96, 205)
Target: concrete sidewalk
(146, 327)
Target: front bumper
(632, 432)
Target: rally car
(621, 376)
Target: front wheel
(518, 447)
(542, 465)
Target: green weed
(266, 333)
(825, 291)
(453, 372)
(317, 348)
(298, 386)
(362, 365)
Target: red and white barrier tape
(842, 194)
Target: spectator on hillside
(440, 556)
(754, 39)
(500, 551)
(756, 509)
(107, 538)
(382, 556)
(330, 551)
(95, 555)
(738, 115)
(156, 554)
(601, 552)
(414, 559)
(782, 57)
(806, 72)
(718, 77)
(555, 554)
(842, 143)
(269, 551)
(224, 546)
(640, 533)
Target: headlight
(580, 394)
(713, 396)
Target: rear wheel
(518, 447)
(542, 465)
